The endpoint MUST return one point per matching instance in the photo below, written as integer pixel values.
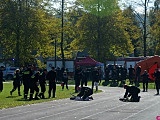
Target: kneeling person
(132, 91)
(85, 94)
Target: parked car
(8, 73)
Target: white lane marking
(103, 111)
(77, 109)
(16, 114)
(140, 111)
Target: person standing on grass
(51, 76)
(77, 77)
(137, 75)
(34, 86)
(27, 80)
(131, 74)
(84, 77)
(95, 78)
(42, 82)
(64, 80)
(1, 79)
(145, 79)
(16, 82)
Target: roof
(88, 61)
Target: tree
(143, 19)
(134, 30)
(25, 29)
(154, 27)
(113, 36)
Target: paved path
(105, 106)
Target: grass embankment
(7, 101)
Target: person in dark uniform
(95, 78)
(1, 78)
(65, 80)
(114, 75)
(26, 80)
(77, 77)
(84, 77)
(51, 76)
(107, 72)
(34, 86)
(137, 75)
(16, 82)
(131, 74)
(156, 75)
(42, 82)
(123, 75)
(59, 75)
(85, 92)
(145, 79)
(132, 91)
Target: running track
(105, 106)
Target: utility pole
(145, 28)
(62, 35)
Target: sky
(137, 4)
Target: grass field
(7, 101)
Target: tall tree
(24, 29)
(115, 39)
(155, 29)
(134, 30)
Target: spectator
(64, 80)
(145, 79)
(16, 82)
(1, 78)
(51, 76)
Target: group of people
(31, 80)
(34, 81)
(119, 73)
(81, 76)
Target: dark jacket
(51, 76)
(131, 90)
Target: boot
(25, 96)
(31, 96)
(36, 96)
(19, 94)
(40, 95)
(11, 93)
(49, 95)
(43, 97)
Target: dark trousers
(157, 83)
(52, 88)
(32, 89)
(134, 97)
(1, 86)
(26, 89)
(43, 88)
(65, 83)
(77, 83)
(16, 86)
(84, 82)
(145, 85)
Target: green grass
(7, 101)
